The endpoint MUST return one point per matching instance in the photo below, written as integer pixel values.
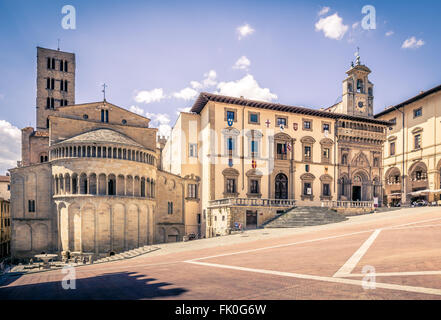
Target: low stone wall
(354, 211)
(224, 218)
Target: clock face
(360, 104)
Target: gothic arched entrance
(281, 184)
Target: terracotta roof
(409, 101)
(102, 136)
(205, 97)
(5, 179)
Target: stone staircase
(304, 216)
(128, 254)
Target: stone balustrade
(253, 202)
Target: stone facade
(90, 181)
(5, 187)
(412, 152)
(5, 228)
(244, 149)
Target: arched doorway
(357, 188)
(281, 186)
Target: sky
(156, 56)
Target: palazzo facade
(256, 159)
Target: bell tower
(358, 91)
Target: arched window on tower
(360, 86)
(370, 92)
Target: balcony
(252, 202)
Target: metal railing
(347, 204)
(253, 202)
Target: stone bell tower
(358, 91)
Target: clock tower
(358, 91)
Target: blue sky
(149, 52)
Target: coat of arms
(295, 126)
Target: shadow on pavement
(112, 286)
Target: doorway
(356, 193)
(251, 219)
(281, 186)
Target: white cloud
(243, 63)
(332, 27)
(136, 109)
(10, 140)
(210, 79)
(389, 33)
(154, 95)
(244, 31)
(355, 25)
(412, 43)
(183, 110)
(324, 11)
(186, 94)
(246, 87)
(160, 121)
(196, 84)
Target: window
(124, 121)
(307, 190)
(306, 167)
(65, 66)
(47, 123)
(52, 84)
(326, 153)
(417, 141)
(253, 118)
(199, 218)
(326, 190)
(376, 162)
(85, 116)
(360, 86)
(254, 186)
(170, 207)
(61, 65)
(31, 205)
(65, 85)
(417, 112)
(308, 152)
(254, 147)
(307, 125)
(231, 115)
(192, 191)
(102, 115)
(230, 144)
(392, 148)
(231, 186)
(281, 121)
(281, 151)
(9, 187)
(393, 121)
(193, 150)
(61, 85)
(326, 127)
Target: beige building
(89, 181)
(254, 159)
(412, 153)
(5, 229)
(5, 187)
